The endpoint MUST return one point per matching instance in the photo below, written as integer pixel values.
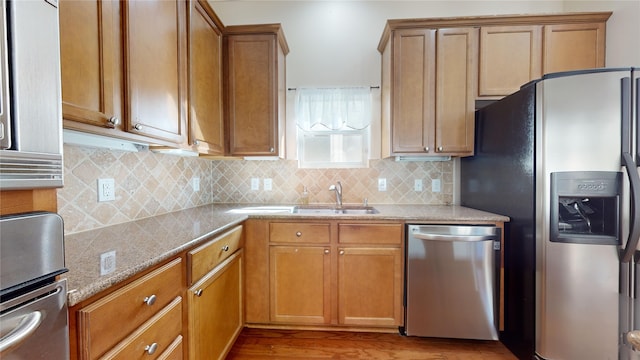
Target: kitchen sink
(333, 210)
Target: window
(333, 127)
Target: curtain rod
(349, 87)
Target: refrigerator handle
(625, 108)
(634, 186)
(637, 121)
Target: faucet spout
(338, 189)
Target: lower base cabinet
(215, 306)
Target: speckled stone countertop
(144, 243)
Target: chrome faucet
(338, 189)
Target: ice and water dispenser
(585, 207)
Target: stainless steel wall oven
(33, 308)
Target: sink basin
(332, 210)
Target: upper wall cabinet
(206, 130)
(255, 86)
(90, 69)
(156, 68)
(95, 36)
(523, 48)
(428, 82)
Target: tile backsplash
(148, 184)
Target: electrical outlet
(382, 184)
(255, 184)
(435, 185)
(195, 184)
(106, 190)
(107, 262)
(268, 184)
(417, 184)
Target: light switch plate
(107, 262)
(435, 185)
(268, 183)
(195, 184)
(255, 184)
(417, 184)
(382, 184)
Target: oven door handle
(24, 327)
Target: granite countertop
(141, 244)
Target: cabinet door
(215, 310)
(300, 284)
(456, 84)
(87, 53)
(205, 81)
(370, 286)
(155, 68)
(253, 91)
(510, 56)
(413, 91)
(573, 47)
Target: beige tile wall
(149, 184)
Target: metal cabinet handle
(137, 127)
(113, 121)
(326, 251)
(198, 292)
(150, 300)
(341, 252)
(440, 149)
(272, 150)
(426, 149)
(150, 349)
(298, 234)
(196, 142)
(225, 248)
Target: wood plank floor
(256, 344)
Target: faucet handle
(332, 188)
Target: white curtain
(333, 109)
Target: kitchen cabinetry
(215, 298)
(325, 273)
(152, 307)
(155, 54)
(89, 59)
(428, 82)
(206, 129)
(523, 48)
(255, 85)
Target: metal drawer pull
(341, 252)
(326, 251)
(138, 127)
(298, 234)
(198, 292)
(150, 349)
(225, 248)
(150, 300)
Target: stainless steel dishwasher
(451, 281)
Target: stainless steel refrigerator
(560, 158)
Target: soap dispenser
(305, 196)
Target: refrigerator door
(577, 284)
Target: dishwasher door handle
(450, 238)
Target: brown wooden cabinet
(206, 130)
(152, 306)
(155, 53)
(90, 69)
(510, 56)
(370, 269)
(428, 83)
(524, 48)
(325, 273)
(215, 300)
(255, 86)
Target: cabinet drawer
(110, 319)
(317, 233)
(370, 233)
(174, 351)
(206, 257)
(153, 338)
